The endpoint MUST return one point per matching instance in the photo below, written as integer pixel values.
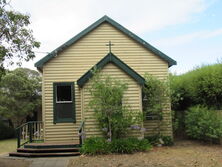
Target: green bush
(155, 91)
(168, 141)
(114, 117)
(122, 146)
(165, 140)
(143, 145)
(199, 86)
(203, 124)
(129, 145)
(6, 132)
(178, 121)
(96, 145)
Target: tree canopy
(16, 39)
(20, 94)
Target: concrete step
(33, 155)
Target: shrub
(129, 145)
(155, 140)
(178, 120)
(203, 124)
(143, 145)
(155, 91)
(95, 145)
(123, 146)
(113, 115)
(168, 141)
(6, 131)
(199, 86)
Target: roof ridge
(84, 32)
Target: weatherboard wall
(131, 99)
(70, 64)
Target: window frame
(56, 119)
(149, 116)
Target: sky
(189, 31)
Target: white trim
(63, 102)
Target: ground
(183, 154)
(6, 162)
(7, 145)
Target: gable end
(54, 53)
(111, 58)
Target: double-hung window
(64, 102)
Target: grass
(8, 145)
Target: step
(51, 145)
(47, 150)
(21, 154)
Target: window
(146, 108)
(64, 102)
(63, 94)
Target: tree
(20, 94)
(114, 117)
(16, 39)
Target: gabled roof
(105, 18)
(111, 58)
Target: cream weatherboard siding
(70, 64)
(131, 97)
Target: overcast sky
(189, 31)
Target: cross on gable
(110, 45)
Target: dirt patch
(9, 162)
(182, 154)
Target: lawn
(7, 145)
(182, 154)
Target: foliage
(200, 86)
(160, 139)
(203, 124)
(113, 115)
(178, 122)
(175, 122)
(20, 94)
(129, 145)
(155, 92)
(16, 39)
(97, 145)
(180, 94)
(6, 132)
